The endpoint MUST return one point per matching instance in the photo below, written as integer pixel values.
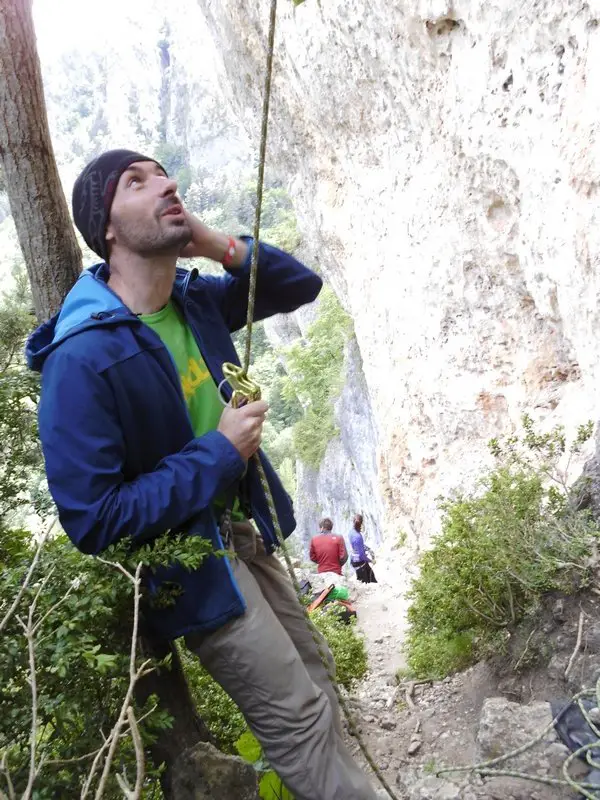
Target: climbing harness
(246, 390)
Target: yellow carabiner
(244, 390)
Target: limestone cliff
(347, 480)
(444, 158)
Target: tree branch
(29, 631)
(28, 577)
(114, 736)
(6, 771)
(577, 645)
(136, 793)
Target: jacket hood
(90, 302)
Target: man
(137, 444)
(328, 550)
(359, 557)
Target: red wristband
(229, 253)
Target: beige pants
(268, 663)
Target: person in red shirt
(328, 550)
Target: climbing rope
(488, 769)
(246, 390)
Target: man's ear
(110, 233)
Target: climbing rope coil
(246, 390)
(587, 752)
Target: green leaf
(272, 788)
(105, 661)
(248, 747)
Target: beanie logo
(110, 187)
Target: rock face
(223, 776)
(347, 481)
(506, 726)
(444, 158)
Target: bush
(347, 646)
(20, 454)
(82, 655)
(502, 547)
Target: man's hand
(243, 427)
(207, 243)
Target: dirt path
(437, 724)
(413, 734)
(382, 616)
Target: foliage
(316, 370)
(20, 454)
(347, 646)
(270, 785)
(175, 159)
(228, 207)
(501, 548)
(287, 475)
(81, 658)
(401, 540)
(284, 412)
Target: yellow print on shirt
(194, 378)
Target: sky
(60, 24)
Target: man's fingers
(257, 409)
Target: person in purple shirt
(358, 553)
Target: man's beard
(159, 241)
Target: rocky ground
(415, 730)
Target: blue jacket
(121, 457)
(358, 554)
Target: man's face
(146, 217)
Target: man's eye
(133, 181)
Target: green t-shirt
(199, 389)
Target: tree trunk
(53, 260)
(37, 202)
(171, 687)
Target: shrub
(518, 536)
(347, 646)
(316, 375)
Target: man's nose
(167, 186)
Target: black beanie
(94, 192)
